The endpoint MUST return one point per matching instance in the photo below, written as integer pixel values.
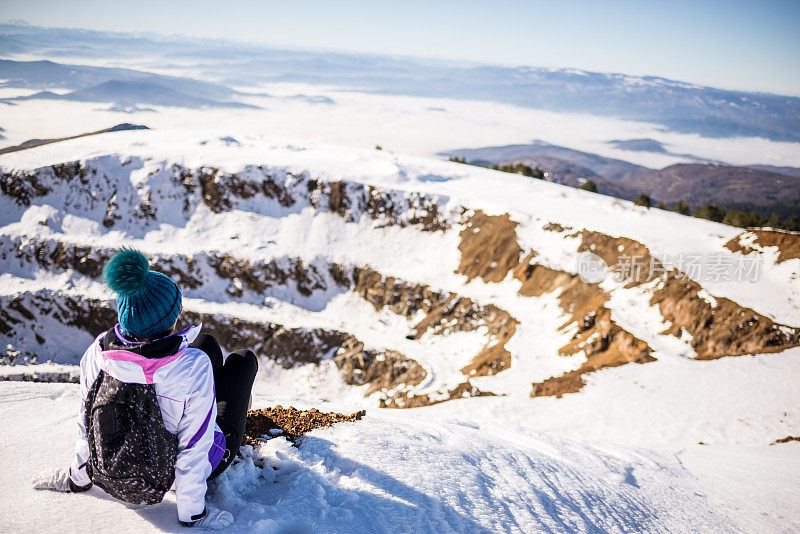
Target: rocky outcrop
(442, 313)
(25, 317)
(490, 250)
(382, 370)
(190, 272)
(718, 326)
(387, 373)
(787, 244)
(182, 189)
(604, 342)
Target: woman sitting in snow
(159, 406)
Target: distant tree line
(515, 168)
(740, 216)
(521, 168)
(743, 218)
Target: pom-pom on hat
(148, 302)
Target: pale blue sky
(732, 44)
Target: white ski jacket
(184, 384)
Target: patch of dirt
(461, 391)
(788, 243)
(555, 227)
(787, 439)
(290, 423)
(488, 247)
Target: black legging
(233, 381)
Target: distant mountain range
(124, 87)
(675, 105)
(31, 143)
(760, 187)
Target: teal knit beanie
(148, 302)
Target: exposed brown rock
(22, 186)
(221, 191)
(640, 267)
(604, 343)
(383, 371)
(406, 400)
(787, 439)
(20, 315)
(557, 386)
(187, 271)
(788, 243)
(338, 200)
(259, 276)
(724, 329)
(555, 227)
(444, 313)
(489, 247)
(492, 359)
(289, 422)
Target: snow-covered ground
(673, 445)
(534, 203)
(418, 472)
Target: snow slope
(622, 454)
(398, 472)
(668, 235)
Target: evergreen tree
(774, 221)
(682, 208)
(710, 212)
(521, 168)
(643, 200)
(589, 185)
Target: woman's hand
(213, 518)
(58, 481)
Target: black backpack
(131, 453)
